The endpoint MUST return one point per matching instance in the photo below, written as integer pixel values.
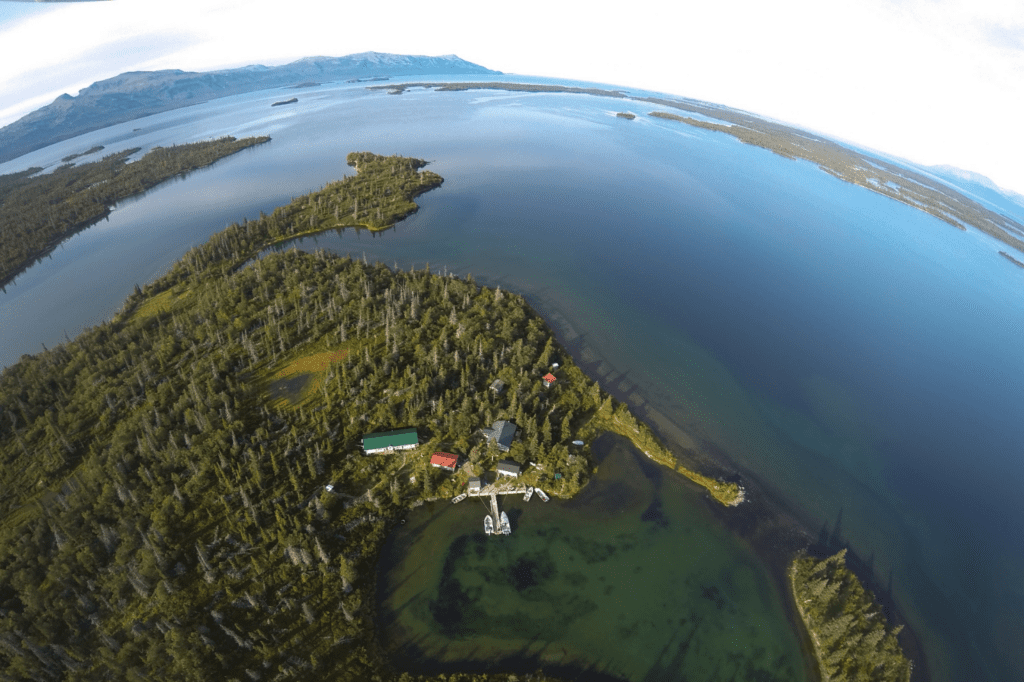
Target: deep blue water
(857, 358)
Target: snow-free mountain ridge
(135, 94)
(982, 188)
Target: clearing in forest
(293, 383)
(171, 299)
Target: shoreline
(772, 528)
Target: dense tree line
(37, 212)
(852, 640)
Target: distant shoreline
(1010, 258)
(899, 183)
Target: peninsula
(850, 636)
(1013, 260)
(92, 150)
(183, 491)
(39, 211)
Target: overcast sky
(934, 81)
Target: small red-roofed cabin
(549, 379)
(444, 460)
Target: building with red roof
(549, 379)
(444, 460)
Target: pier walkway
(494, 512)
(492, 491)
(497, 489)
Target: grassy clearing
(315, 363)
(294, 383)
(165, 301)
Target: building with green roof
(389, 441)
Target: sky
(932, 81)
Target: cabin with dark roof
(508, 468)
(501, 433)
(444, 460)
(498, 386)
(474, 484)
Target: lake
(855, 360)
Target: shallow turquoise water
(858, 359)
(634, 578)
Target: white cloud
(937, 81)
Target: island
(626, 115)
(293, 100)
(849, 634)
(39, 211)
(191, 490)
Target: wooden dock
(495, 489)
(492, 491)
(495, 514)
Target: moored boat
(460, 498)
(529, 494)
(543, 495)
(506, 527)
(488, 525)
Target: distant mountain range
(1005, 200)
(136, 94)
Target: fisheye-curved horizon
(934, 82)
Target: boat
(506, 527)
(460, 498)
(488, 525)
(543, 495)
(529, 494)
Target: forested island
(162, 517)
(38, 212)
(850, 636)
(845, 163)
(293, 100)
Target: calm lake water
(632, 579)
(858, 362)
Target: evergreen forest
(851, 638)
(183, 494)
(40, 210)
(161, 517)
